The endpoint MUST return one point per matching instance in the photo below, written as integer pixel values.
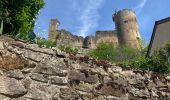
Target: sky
(85, 17)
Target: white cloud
(89, 17)
(139, 7)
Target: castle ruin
(126, 33)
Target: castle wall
(78, 41)
(66, 38)
(106, 36)
(127, 28)
(126, 33)
(89, 42)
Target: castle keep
(126, 33)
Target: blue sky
(85, 17)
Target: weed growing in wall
(68, 49)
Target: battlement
(122, 12)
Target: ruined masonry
(28, 72)
(126, 33)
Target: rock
(11, 87)
(153, 94)
(167, 78)
(160, 84)
(36, 94)
(98, 70)
(36, 48)
(27, 82)
(137, 83)
(120, 81)
(99, 98)
(116, 98)
(12, 61)
(128, 73)
(40, 77)
(16, 50)
(84, 87)
(33, 47)
(2, 97)
(88, 96)
(26, 70)
(61, 53)
(107, 79)
(2, 46)
(50, 70)
(114, 69)
(140, 93)
(59, 80)
(19, 44)
(110, 90)
(75, 65)
(168, 84)
(34, 56)
(92, 79)
(76, 76)
(68, 94)
(15, 74)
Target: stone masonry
(126, 33)
(28, 72)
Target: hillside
(28, 72)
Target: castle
(126, 33)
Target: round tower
(127, 28)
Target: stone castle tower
(54, 23)
(126, 33)
(127, 28)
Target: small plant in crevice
(68, 49)
(45, 43)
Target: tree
(19, 16)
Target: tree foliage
(19, 15)
(159, 62)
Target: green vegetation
(40, 41)
(45, 43)
(116, 54)
(159, 62)
(68, 49)
(18, 16)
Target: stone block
(40, 77)
(59, 80)
(2, 46)
(50, 70)
(15, 74)
(11, 87)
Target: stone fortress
(126, 33)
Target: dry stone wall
(28, 72)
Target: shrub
(119, 54)
(159, 62)
(154, 64)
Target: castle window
(126, 21)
